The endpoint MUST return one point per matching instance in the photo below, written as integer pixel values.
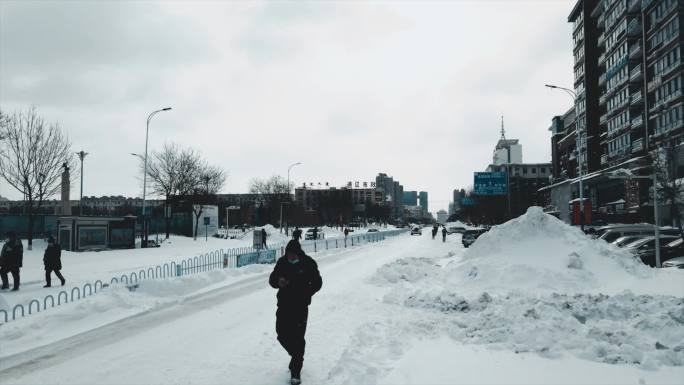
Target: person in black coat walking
(53, 262)
(444, 233)
(264, 235)
(297, 279)
(11, 260)
(297, 234)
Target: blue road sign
(490, 183)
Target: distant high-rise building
(410, 198)
(442, 216)
(423, 198)
(458, 195)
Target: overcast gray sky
(349, 88)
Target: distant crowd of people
(12, 258)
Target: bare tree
(172, 172)
(208, 181)
(31, 157)
(670, 187)
(268, 189)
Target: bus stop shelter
(96, 233)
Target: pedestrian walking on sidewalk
(297, 279)
(444, 233)
(52, 259)
(263, 238)
(434, 230)
(11, 260)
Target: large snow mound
(535, 284)
(537, 252)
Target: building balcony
(602, 59)
(635, 51)
(601, 40)
(669, 69)
(636, 98)
(603, 119)
(638, 145)
(602, 79)
(636, 75)
(638, 121)
(602, 99)
(604, 159)
(634, 6)
(657, 81)
(634, 27)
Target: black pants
(48, 273)
(15, 276)
(291, 327)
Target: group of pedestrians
(12, 260)
(435, 230)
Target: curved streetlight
(573, 95)
(288, 196)
(147, 131)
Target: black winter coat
(304, 281)
(12, 255)
(53, 258)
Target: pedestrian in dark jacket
(444, 233)
(52, 259)
(434, 231)
(11, 260)
(263, 238)
(297, 234)
(297, 279)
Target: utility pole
(656, 222)
(81, 155)
(143, 242)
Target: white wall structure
(210, 212)
(501, 152)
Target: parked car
(309, 235)
(416, 230)
(673, 249)
(470, 236)
(613, 234)
(456, 229)
(152, 243)
(624, 241)
(372, 230)
(677, 263)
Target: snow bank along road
(368, 325)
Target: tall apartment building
(423, 201)
(410, 198)
(586, 54)
(628, 73)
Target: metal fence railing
(213, 260)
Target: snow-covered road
(227, 335)
(360, 331)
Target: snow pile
(406, 269)
(538, 285)
(538, 252)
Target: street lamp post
(147, 131)
(578, 133)
(287, 232)
(81, 155)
